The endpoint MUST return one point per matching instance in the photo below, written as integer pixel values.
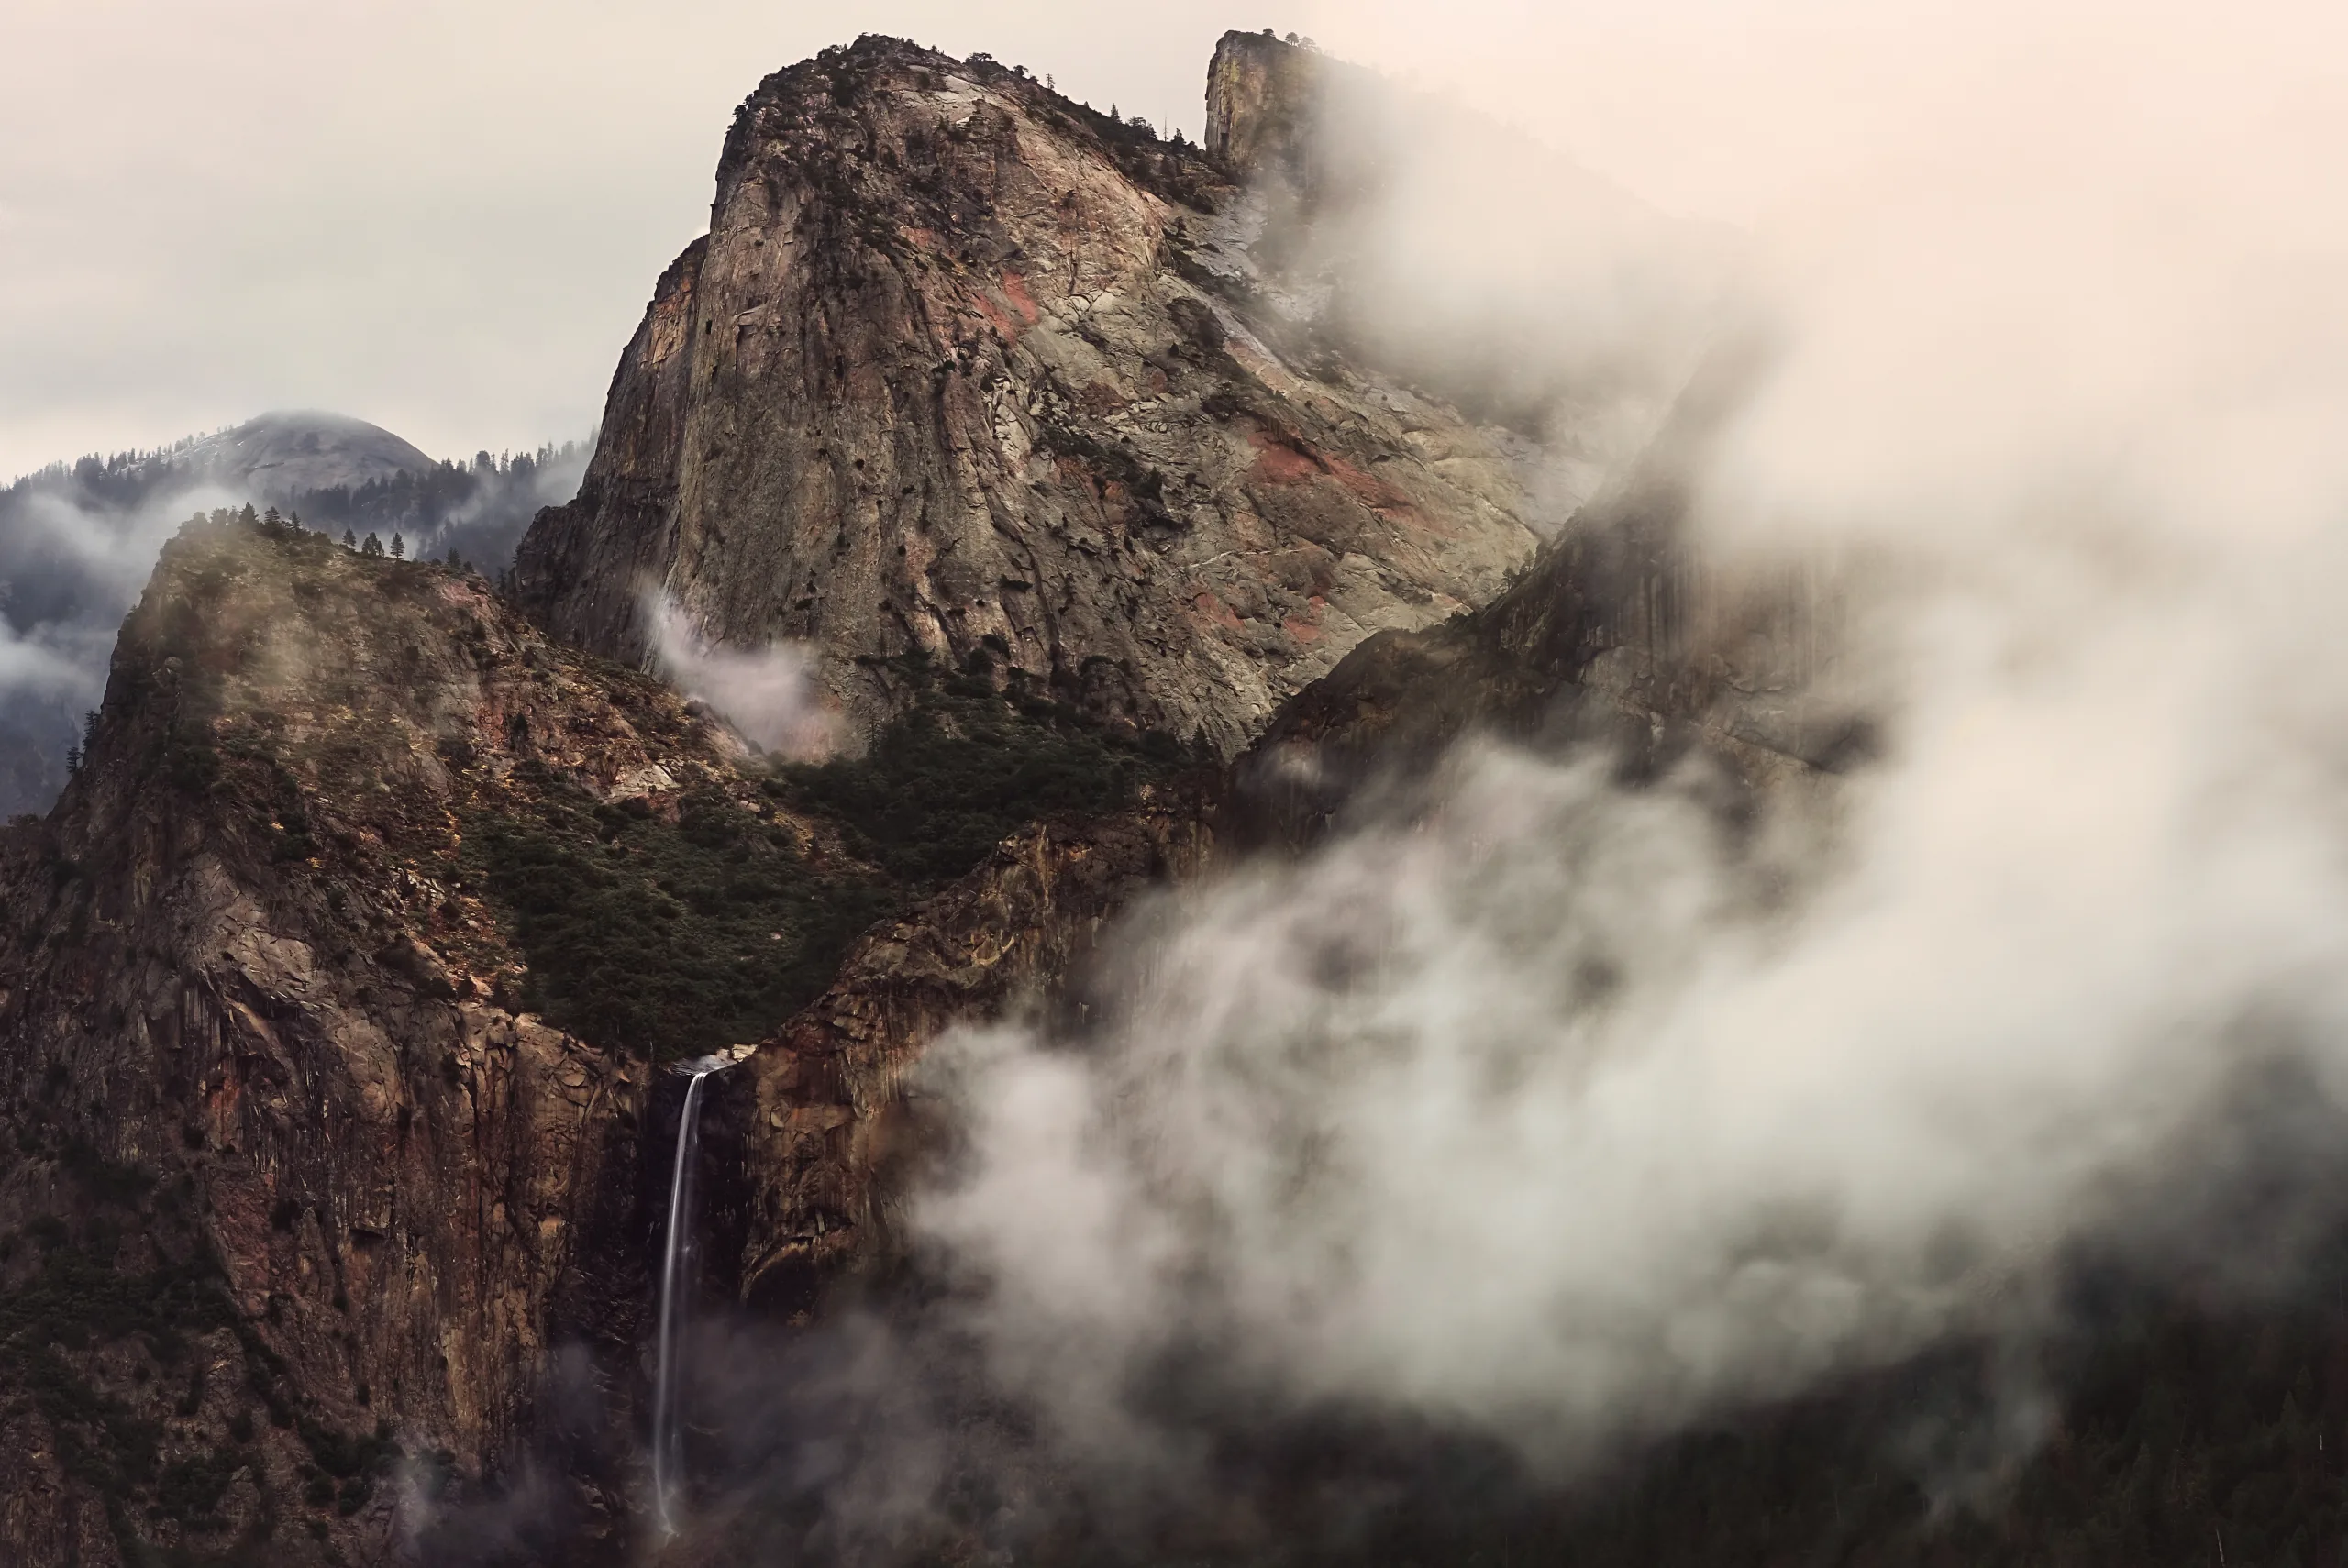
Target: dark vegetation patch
(188, 1490)
(968, 766)
(664, 937)
(79, 1300)
(1113, 464)
(673, 936)
(2174, 1430)
(127, 1283)
(348, 1464)
(108, 1180)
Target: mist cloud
(767, 695)
(45, 665)
(1574, 1111)
(70, 569)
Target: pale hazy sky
(443, 217)
(446, 217)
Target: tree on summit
(399, 548)
(371, 545)
(349, 540)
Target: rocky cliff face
(1613, 639)
(963, 366)
(334, 990)
(835, 1135)
(334, 993)
(76, 541)
(296, 1205)
(333, 996)
(1619, 634)
(1262, 98)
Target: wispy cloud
(768, 694)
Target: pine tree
(399, 548)
(371, 545)
(349, 540)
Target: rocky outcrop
(837, 1129)
(1611, 632)
(962, 365)
(1262, 97)
(311, 1228)
(297, 1202)
(1620, 635)
(1613, 638)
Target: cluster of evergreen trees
(273, 521)
(479, 509)
(116, 478)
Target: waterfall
(667, 1437)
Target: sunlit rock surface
(963, 365)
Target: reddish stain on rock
(1281, 459)
(1014, 289)
(1216, 610)
(1369, 489)
(1010, 324)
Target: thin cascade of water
(668, 1435)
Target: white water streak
(667, 1437)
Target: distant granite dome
(283, 453)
